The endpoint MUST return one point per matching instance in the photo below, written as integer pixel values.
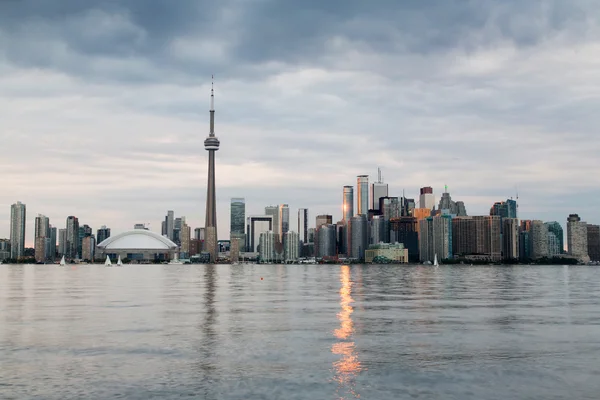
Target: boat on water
(63, 262)
(107, 263)
(435, 261)
(119, 263)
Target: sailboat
(107, 263)
(435, 261)
(119, 263)
(63, 262)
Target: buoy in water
(261, 278)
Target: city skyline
(94, 134)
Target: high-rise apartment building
(426, 198)
(102, 234)
(577, 237)
(72, 237)
(267, 242)
(555, 228)
(62, 242)
(186, 237)
(18, 217)
(378, 190)
(435, 238)
(42, 238)
(348, 203)
(303, 224)
(593, 239)
(4, 249)
(538, 237)
(510, 239)
(291, 249)
(51, 250)
(553, 245)
(88, 248)
(255, 226)
(84, 231)
(362, 192)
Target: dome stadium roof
(139, 239)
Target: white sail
(107, 262)
(435, 261)
(119, 263)
(63, 262)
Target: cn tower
(211, 144)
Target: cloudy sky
(104, 105)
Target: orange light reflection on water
(348, 366)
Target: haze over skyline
(104, 106)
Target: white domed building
(139, 245)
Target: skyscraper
(426, 198)
(348, 203)
(62, 242)
(326, 241)
(284, 221)
(359, 236)
(303, 224)
(273, 211)
(405, 230)
(238, 215)
(211, 144)
(435, 238)
(42, 236)
(362, 191)
(102, 234)
(593, 239)
(291, 249)
(51, 250)
(169, 225)
(448, 206)
(18, 216)
(538, 237)
(577, 237)
(555, 228)
(510, 239)
(505, 209)
(72, 236)
(378, 190)
(377, 231)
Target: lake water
(299, 332)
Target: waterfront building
(185, 236)
(62, 242)
(538, 236)
(510, 239)
(326, 241)
(477, 236)
(553, 245)
(426, 198)
(42, 238)
(555, 228)
(88, 247)
(405, 230)
(51, 248)
(577, 237)
(211, 144)
(435, 238)
(72, 237)
(4, 249)
(291, 248)
(359, 236)
(303, 224)
(18, 217)
(395, 252)
(593, 240)
(84, 231)
(137, 245)
(378, 190)
(255, 226)
(342, 237)
(362, 195)
(266, 248)
(169, 225)
(234, 250)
